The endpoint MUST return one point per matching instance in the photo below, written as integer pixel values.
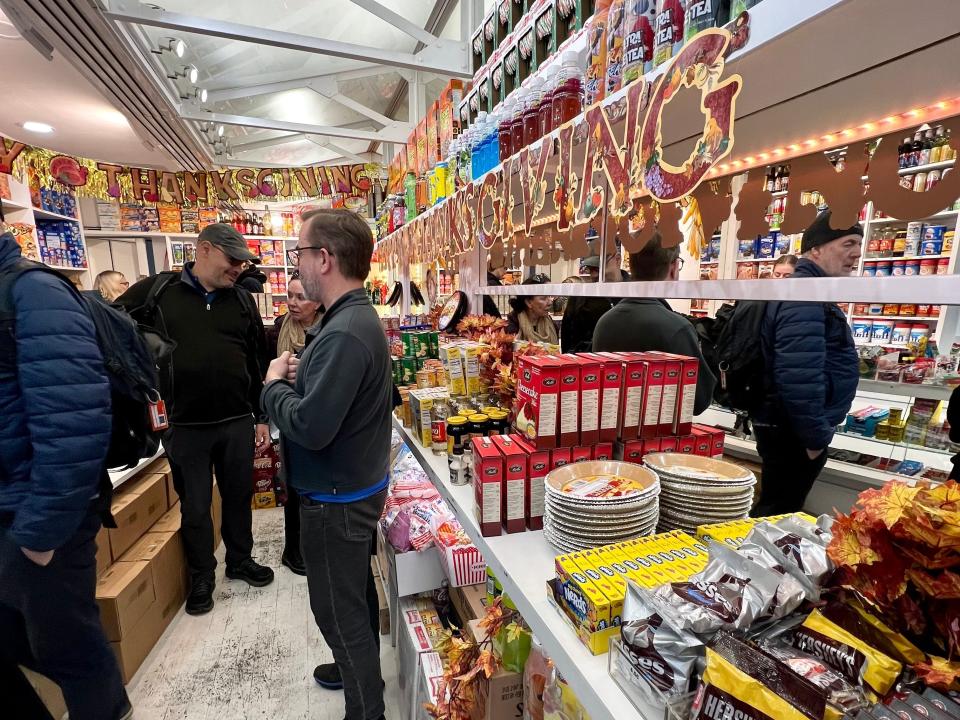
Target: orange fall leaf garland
(467, 661)
(900, 549)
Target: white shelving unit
(524, 562)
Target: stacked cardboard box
(141, 568)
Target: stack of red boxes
(588, 406)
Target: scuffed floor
(252, 656)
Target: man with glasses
(643, 324)
(211, 388)
(333, 408)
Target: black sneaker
(293, 560)
(328, 676)
(251, 572)
(200, 599)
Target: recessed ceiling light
(180, 48)
(37, 127)
(193, 74)
(202, 94)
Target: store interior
(505, 151)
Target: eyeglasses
(679, 263)
(293, 256)
(234, 262)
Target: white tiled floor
(252, 656)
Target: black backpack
(738, 353)
(130, 362)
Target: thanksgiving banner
(604, 172)
(91, 178)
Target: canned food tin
(908, 309)
(406, 337)
(869, 269)
(912, 267)
(423, 378)
(891, 308)
(397, 368)
(897, 268)
(433, 343)
(943, 266)
(883, 269)
(928, 267)
(408, 368)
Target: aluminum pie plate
(706, 506)
(698, 470)
(618, 509)
(678, 488)
(600, 523)
(566, 544)
(598, 538)
(589, 532)
(602, 481)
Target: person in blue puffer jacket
(55, 405)
(812, 373)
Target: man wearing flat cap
(812, 372)
(211, 388)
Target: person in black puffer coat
(812, 373)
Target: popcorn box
(464, 565)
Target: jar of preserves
(479, 425)
(499, 422)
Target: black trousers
(336, 541)
(50, 623)
(195, 453)
(788, 473)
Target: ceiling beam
(328, 145)
(444, 56)
(397, 20)
(190, 112)
(282, 21)
(295, 83)
(439, 16)
(267, 142)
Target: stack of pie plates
(697, 490)
(589, 504)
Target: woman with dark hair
(530, 317)
(288, 334)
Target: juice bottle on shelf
(926, 148)
(399, 212)
(531, 112)
(939, 141)
(545, 109)
(567, 99)
(267, 221)
(504, 128)
(452, 158)
(410, 196)
(516, 121)
(916, 148)
(422, 194)
(903, 153)
(595, 75)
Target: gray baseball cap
(591, 261)
(227, 238)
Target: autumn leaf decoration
(899, 548)
(467, 661)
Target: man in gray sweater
(333, 407)
(642, 324)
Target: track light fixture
(189, 72)
(172, 45)
(199, 94)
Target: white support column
(416, 99)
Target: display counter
(524, 562)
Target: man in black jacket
(494, 275)
(581, 315)
(212, 392)
(812, 373)
(333, 408)
(642, 324)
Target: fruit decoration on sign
(68, 171)
(740, 34)
(899, 549)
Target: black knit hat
(820, 232)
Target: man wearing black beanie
(812, 373)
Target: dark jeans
(50, 622)
(788, 472)
(291, 521)
(195, 452)
(336, 541)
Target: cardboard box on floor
(381, 597)
(133, 649)
(470, 601)
(164, 553)
(104, 558)
(136, 507)
(161, 466)
(170, 520)
(413, 641)
(124, 594)
(501, 696)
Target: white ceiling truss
(233, 75)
